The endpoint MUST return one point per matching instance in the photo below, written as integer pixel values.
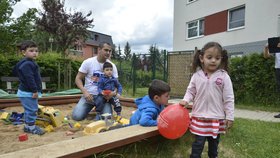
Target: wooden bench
(9, 81)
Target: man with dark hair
(90, 71)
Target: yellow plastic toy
(77, 125)
(5, 116)
(104, 125)
(49, 128)
(49, 116)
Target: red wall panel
(216, 23)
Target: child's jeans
(198, 145)
(30, 106)
(100, 103)
(83, 107)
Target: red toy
(173, 121)
(106, 92)
(22, 137)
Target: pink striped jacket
(212, 96)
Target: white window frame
(199, 25)
(236, 21)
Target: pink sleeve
(228, 98)
(191, 90)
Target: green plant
(49, 66)
(246, 139)
(253, 80)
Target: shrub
(253, 80)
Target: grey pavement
(248, 114)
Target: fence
(179, 71)
(142, 69)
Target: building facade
(240, 26)
(89, 47)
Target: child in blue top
(108, 83)
(30, 86)
(150, 106)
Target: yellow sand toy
(49, 116)
(108, 123)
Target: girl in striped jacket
(211, 92)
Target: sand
(9, 134)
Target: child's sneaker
(35, 130)
(277, 116)
(97, 117)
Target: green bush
(49, 66)
(253, 80)
(252, 76)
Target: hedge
(254, 80)
(252, 75)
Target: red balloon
(173, 121)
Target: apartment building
(241, 26)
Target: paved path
(248, 114)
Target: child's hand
(183, 103)
(118, 95)
(229, 124)
(35, 95)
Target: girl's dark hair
(27, 44)
(196, 61)
(158, 87)
(106, 65)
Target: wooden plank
(87, 145)
(16, 79)
(52, 100)
(58, 100)
(9, 81)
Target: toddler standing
(30, 86)
(211, 91)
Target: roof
(95, 38)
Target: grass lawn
(247, 139)
(140, 92)
(256, 107)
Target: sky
(141, 23)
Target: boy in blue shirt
(107, 84)
(30, 86)
(150, 106)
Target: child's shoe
(277, 116)
(119, 113)
(34, 130)
(97, 117)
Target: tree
(127, 51)
(119, 52)
(7, 40)
(114, 52)
(6, 10)
(24, 27)
(64, 28)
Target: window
(94, 51)
(236, 18)
(195, 28)
(96, 37)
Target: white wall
(261, 21)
